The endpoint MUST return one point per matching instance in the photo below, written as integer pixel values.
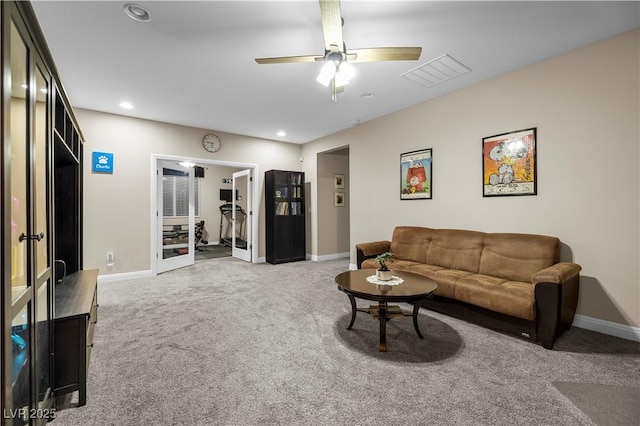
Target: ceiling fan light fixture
(345, 73)
(336, 70)
(327, 73)
(341, 81)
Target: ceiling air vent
(436, 71)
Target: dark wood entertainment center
(75, 320)
(49, 305)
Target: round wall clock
(211, 142)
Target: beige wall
(585, 105)
(117, 207)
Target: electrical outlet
(109, 258)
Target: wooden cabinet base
(76, 316)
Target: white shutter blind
(167, 196)
(181, 193)
(175, 196)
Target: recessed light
(126, 105)
(281, 133)
(367, 95)
(137, 12)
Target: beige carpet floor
(225, 342)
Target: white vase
(384, 275)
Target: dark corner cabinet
(284, 216)
(41, 225)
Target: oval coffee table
(414, 288)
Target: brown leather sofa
(513, 283)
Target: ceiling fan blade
(331, 24)
(385, 54)
(290, 59)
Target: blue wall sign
(102, 162)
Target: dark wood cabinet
(41, 215)
(67, 182)
(76, 316)
(284, 216)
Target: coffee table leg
(354, 309)
(382, 306)
(416, 308)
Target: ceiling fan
(337, 70)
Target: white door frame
(255, 196)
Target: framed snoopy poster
(415, 175)
(509, 164)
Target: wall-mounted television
(225, 195)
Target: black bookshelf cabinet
(284, 216)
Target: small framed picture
(415, 175)
(338, 181)
(509, 164)
(338, 199)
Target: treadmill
(226, 218)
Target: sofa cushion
(518, 256)
(395, 265)
(403, 265)
(456, 249)
(411, 243)
(514, 298)
(446, 279)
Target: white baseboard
(607, 327)
(110, 278)
(324, 257)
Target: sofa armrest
(556, 274)
(556, 291)
(372, 249)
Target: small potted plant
(384, 273)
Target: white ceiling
(193, 63)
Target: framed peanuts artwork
(509, 164)
(415, 175)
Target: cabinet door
(27, 142)
(21, 290)
(282, 238)
(18, 136)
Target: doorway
(179, 239)
(333, 217)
